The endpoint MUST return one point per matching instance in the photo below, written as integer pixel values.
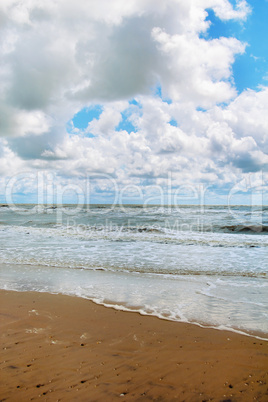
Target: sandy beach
(61, 348)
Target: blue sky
(249, 69)
(134, 101)
(84, 116)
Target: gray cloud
(33, 147)
(126, 64)
(248, 163)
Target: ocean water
(205, 265)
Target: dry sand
(61, 348)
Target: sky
(138, 101)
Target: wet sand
(61, 348)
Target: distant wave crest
(245, 229)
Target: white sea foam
(174, 263)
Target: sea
(205, 265)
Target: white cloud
(58, 52)
(108, 120)
(197, 70)
(61, 56)
(225, 11)
(246, 115)
(10, 164)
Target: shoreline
(61, 347)
(260, 332)
(262, 336)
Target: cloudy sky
(148, 100)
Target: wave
(135, 270)
(245, 229)
(184, 272)
(136, 234)
(141, 229)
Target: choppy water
(205, 265)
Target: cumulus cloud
(58, 57)
(225, 11)
(198, 70)
(246, 116)
(64, 51)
